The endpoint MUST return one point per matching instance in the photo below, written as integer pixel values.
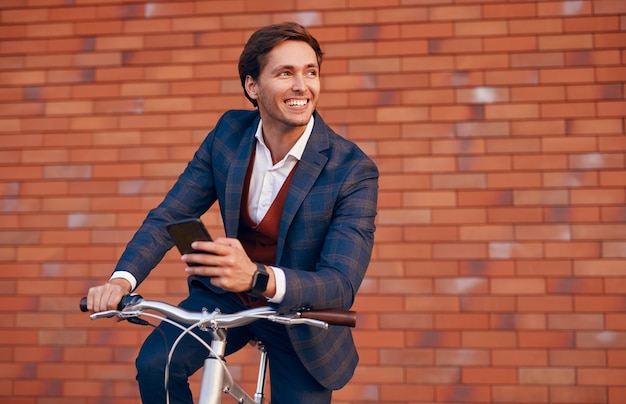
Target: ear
(251, 87)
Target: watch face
(260, 281)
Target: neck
(279, 142)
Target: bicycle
(216, 378)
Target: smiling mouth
(296, 103)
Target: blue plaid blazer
(326, 230)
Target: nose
(298, 85)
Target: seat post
(259, 395)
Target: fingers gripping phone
(185, 232)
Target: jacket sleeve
(191, 195)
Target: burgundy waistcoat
(260, 240)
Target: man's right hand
(107, 296)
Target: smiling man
(298, 204)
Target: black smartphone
(185, 232)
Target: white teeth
(296, 103)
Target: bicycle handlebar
(134, 305)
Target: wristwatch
(259, 280)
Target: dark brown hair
(254, 53)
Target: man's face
(288, 86)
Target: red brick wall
(498, 126)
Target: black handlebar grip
(127, 300)
(333, 317)
(83, 305)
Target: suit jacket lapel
(307, 171)
(235, 179)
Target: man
(298, 204)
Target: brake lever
(104, 314)
(296, 320)
(126, 314)
(130, 316)
(311, 322)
